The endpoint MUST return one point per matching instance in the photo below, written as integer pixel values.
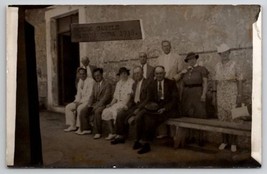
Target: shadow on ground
(68, 150)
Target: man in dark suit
(148, 71)
(135, 106)
(162, 101)
(101, 96)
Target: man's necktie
(159, 90)
(137, 93)
(98, 89)
(143, 71)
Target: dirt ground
(68, 150)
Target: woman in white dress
(120, 100)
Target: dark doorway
(68, 60)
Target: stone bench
(214, 125)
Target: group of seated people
(151, 96)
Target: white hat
(222, 48)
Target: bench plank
(213, 125)
(214, 129)
(246, 125)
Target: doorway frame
(51, 15)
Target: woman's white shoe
(233, 148)
(97, 136)
(222, 146)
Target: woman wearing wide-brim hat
(194, 90)
(227, 90)
(194, 84)
(120, 100)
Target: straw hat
(223, 48)
(191, 55)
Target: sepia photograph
(133, 86)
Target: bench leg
(179, 137)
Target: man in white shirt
(172, 62)
(80, 104)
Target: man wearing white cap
(227, 89)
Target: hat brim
(223, 51)
(126, 71)
(191, 57)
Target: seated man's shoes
(87, 132)
(137, 145)
(118, 141)
(69, 129)
(97, 136)
(146, 148)
(110, 137)
(79, 132)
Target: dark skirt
(192, 106)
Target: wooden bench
(213, 125)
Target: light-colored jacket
(84, 90)
(173, 64)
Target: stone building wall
(189, 28)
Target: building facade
(189, 28)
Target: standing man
(101, 96)
(161, 105)
(136, 106)
(148, 71)
(86, 65)
(172, 62)
(78, 107)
